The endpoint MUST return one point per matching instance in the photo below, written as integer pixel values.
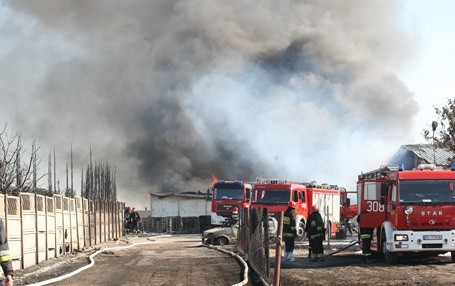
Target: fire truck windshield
(229, 194)
(427, 191)
(272, 196)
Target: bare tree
(12, 168)
(99, 183)
(55, 174)
(67, 190)
(82, 184)
(49, 174)
(35, 178)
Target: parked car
(225, 235)
(222, 235)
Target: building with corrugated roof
(414, 154)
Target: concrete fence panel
(59, 228)
(73, 223)
(97, 222)
(86, 208)
(100, 221)
(29, 245)
(121, 217)
(2, 209)
(104, 220)
(41, 227)
(14, 229)
(92, 222)
(110, 218)
(51, 228)
(66, 225)
(80, 223)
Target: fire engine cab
(408, 211)
(229, 195)
(278, 195)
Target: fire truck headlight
(401, 237)
(408, 210)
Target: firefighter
(5, 258)
(128, 219)
(316, 233)
(366, 235)
(289, 234)
(135, 218)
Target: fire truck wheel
(389, 257)
(222, 240)
(452, 254)
(301, 231)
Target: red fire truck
(347, 213)
(228, 195)
(408, 211)
(277, 195)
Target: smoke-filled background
(173, 92)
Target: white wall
(170, 206)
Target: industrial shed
(187, 212)
(180, 204)
(414, 154)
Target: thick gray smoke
(173, 92)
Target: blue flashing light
(452, 167)
(401, 167)
(220, 182)
(238, 182)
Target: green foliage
(444, 133)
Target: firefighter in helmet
(289, 234)
(316, 233)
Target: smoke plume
(172, 92)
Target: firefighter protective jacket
(5, 258)
(289, 223)
(315, 225)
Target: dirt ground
(176, 260)
(346, 268)
(181, 260)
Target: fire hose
(92, 262)
(239, 258)
(344, 248)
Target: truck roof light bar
(389, 168)
(426, 167)
(272, 181)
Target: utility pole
(434, 125)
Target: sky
(173, 92)
(430, 74)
